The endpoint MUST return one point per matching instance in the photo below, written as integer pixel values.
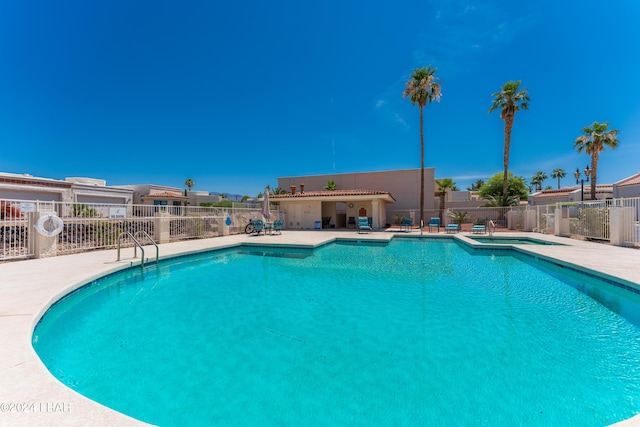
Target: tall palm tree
(558, 173)
(189, 183)
(422, 88)
(596, 137)
(538, 179)
(509, 101)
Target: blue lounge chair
(479, 229)
(434, 222)
(406, 224)
(258, 226)
(363, 225)
(277, 226)
(452, 228)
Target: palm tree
(331, 186)
(558, 173)
(538, 179)
(501, 200)
(596, 137)
(189, 183)
(509, 101)
(277, 190)
(476, 185)
(422, 88)
(443, 185)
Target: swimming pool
(414, 332)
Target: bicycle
(249, 228)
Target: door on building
(295, 216)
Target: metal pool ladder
(491, 224)
(138, 245)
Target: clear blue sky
(237, 94)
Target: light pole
(587, 173)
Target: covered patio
(337, 209)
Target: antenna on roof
(333, 147)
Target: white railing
(592, 220)
(545, 219)
(82, 234)
(89, 226)
(511, 217)
(631, 227)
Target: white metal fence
(14, 231)
(545, 219)
(631, 227)
(592, 219)
(511, 217)
(99, 226)
(588, 219)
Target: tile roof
(600, 188)
(334, 193)
(632, 180)
(553, 193)
(166, 194)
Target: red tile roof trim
(632, 180)
(165, 194)
(335, 193)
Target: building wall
(198, 197)
(627, 191)
(301, 215)
(403, 185)
(141, 190)
(35, 193)
(71, 190)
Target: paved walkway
(30, 395)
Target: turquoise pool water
(413, 333)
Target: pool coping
(29, 288)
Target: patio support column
(561, 225)
(618, 217)
(530, 219)
(162, 225)
(223, 225)
(43, 246)
(375, 214)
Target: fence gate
(591, 219)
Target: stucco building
(72, 190)
(379, 196)
(628, 187)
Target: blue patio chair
(479, 229)
(434, 222)
(258, 226)
(363, 225)
(452, 228)
(406, 224)
(277, 226)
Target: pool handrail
(151, 240)
(491, 224)
(137, 244)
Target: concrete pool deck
(30, 395)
